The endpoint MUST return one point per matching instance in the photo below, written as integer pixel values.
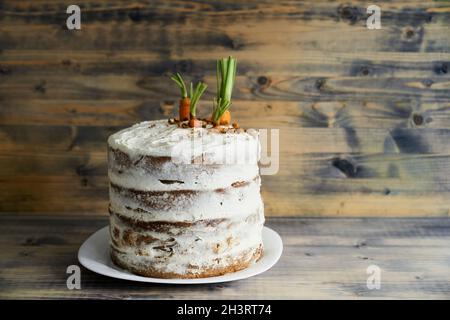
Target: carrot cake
(185, 196)
(195, 213)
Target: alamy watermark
(74, 279)
(374, 279)
(374, 20)
(228, 149)
(73, 22)
(269, 164)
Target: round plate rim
(118, 273)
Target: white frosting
(161, 139)
(233, 202)
(186, 177)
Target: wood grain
(364, 115)
(322, 259)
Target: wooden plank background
(364, 115)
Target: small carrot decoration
(195, 97)
(226, 74)
(225, 118)
(184, 105)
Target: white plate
(94, 255)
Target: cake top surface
(160, 138)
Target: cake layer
(160, 173)
(231, 264)
(187, 145)
(186, 249)
(166, 226)
(186, 205)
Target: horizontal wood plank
(315, 63)
(229, 26)
(281, 88)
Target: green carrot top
(226, 74)
(195, 96)
(180, 82)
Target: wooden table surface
(325, 258)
